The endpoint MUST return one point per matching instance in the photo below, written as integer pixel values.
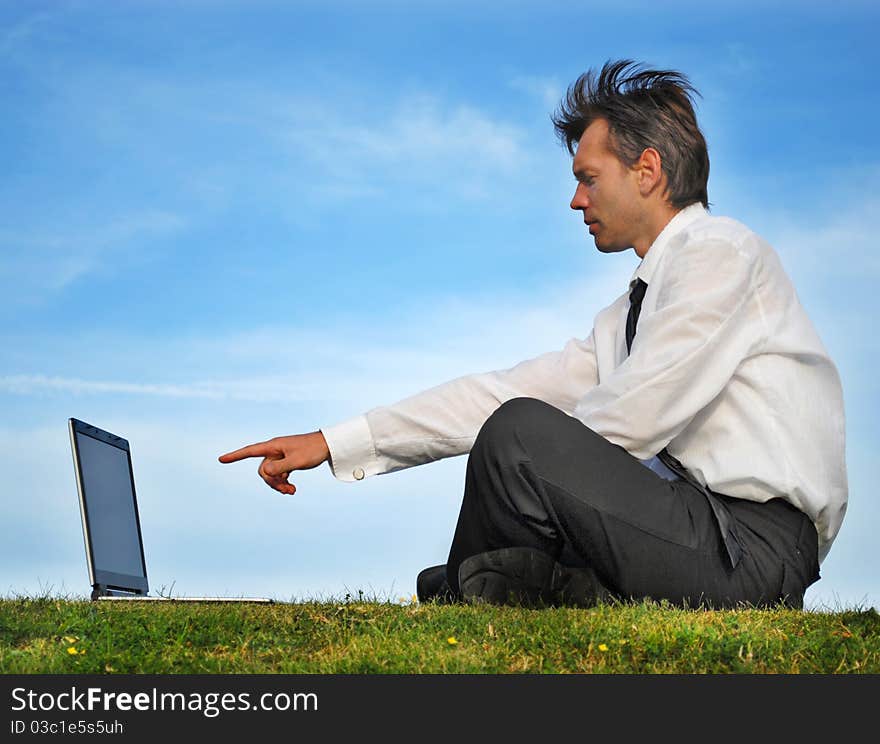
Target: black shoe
(528, 577)
(431, 585)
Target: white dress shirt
(726, 370)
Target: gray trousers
(539, 478)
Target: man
(690, 449)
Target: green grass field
(54, 635)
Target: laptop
(110, 521)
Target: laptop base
(101, 593)
(144, 598)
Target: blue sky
(226, 221)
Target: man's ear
(649, 169)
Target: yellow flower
(415, 597)
(452, 640)
(72, 651)
(603, 647)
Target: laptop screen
(109, 500)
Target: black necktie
(636, 295)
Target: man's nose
(579, 200)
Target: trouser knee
(528, 428)
(503, 432)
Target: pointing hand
(282, 455)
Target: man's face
(607, 192)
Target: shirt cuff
(352, 455)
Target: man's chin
(605, 248)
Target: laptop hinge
(105, 590)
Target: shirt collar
(682, 218)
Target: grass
(60, 635)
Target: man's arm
(436, 423)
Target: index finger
(261, 449)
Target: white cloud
(737, 59)
(835, 239)
(455, 150)
(356, 363)
(422, 130)
(208, 146)
(18, 36)
(548, 90)
(34, 264)
(266, 389)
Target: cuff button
(358, 473)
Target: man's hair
(644, 108)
